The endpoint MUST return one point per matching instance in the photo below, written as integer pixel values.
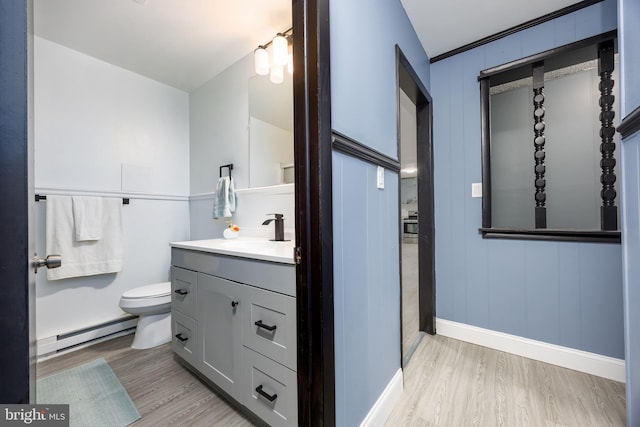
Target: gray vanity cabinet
(234, 322)
(219, 323)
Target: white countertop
(245, 247)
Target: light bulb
(280, 49)
(261, 61)
(277, 74)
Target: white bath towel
(87, 217)
(84, 258)
(224, 203)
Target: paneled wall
(568, 294)
(365, 219)
(100, 129)
(366, 285)
(629, 46)
(631, 255)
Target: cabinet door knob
(269, 397)
(234, 304)
(181, 292)
(269, 328)
(181, 338)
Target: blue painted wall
(568, 294)
(367, 290)
(629, 47)
(366, 223)
(363, 68)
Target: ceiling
(445, 25)
(184, 43)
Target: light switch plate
(476, 189)
(380, 178)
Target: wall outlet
(380, 178)
(476, 189)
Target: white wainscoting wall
(149, 224)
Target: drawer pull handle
(181, 338)
(269, 397)
(234, 304)
(181, 292)
(267, 327)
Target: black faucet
(279, 220)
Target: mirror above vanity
(270, 131)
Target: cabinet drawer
(184, 290)
(184, 336)
(269, 325)
(270, 390)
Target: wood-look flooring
(448, 383)
(165, 393)
(410, 320)
(452, 383)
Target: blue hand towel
(224, 203)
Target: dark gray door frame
(411, 84)
(314, 219)
(15, 357)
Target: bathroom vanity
(234, 321)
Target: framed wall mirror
(270, 131)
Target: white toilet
(153, 304)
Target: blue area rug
(94, 394)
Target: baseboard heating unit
(63, 343)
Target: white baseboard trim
(583, 361)
(385, 403)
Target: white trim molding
(379, 413)
(578, 360)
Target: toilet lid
(149, 291)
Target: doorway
(417, 233)
(313, 194)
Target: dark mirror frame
(531, 66)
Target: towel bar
(38, 197)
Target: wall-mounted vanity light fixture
(280, 57)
